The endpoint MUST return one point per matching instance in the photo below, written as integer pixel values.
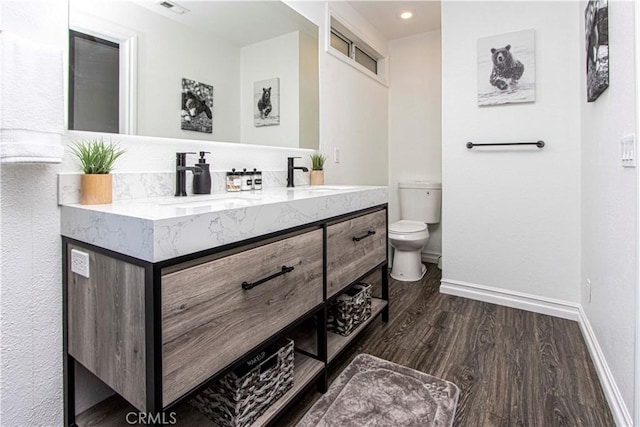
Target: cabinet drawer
(209, 320)
(354, 247)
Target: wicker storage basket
(240, 397)
(350, 309)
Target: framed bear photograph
(266, 102)
(507, 68)
(197, 106)
(596, 32)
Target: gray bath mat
(375, 392)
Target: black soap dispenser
(202, 181)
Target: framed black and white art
(197, 106)
(596, 23)
(507, 68)
(266, 102)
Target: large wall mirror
(230, 71)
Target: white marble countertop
(158, 229)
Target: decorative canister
(234, 181)
(246, 180)
(257, 179)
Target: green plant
(317, 161)
(96, 156)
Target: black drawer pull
(369, 233)
(246, 285)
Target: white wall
(31, 340)
(167, 52)
(31, 292)
(512, 217)
(353, 107)
(415, 127)
(276, 57)
(609, 201)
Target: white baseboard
(431, 257)
(551, 307)
(619, 410)
(514, 299)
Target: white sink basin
(229, 203)
(328, 188)
(225, 201)
(217, 201)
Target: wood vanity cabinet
(209, 320)
(157, 333)
(354, 246)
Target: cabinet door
(106, 332)
(209, 320)
(354, 247)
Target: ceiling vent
(173, 7)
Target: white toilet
(420, 203)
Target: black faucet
(291, 168)
(181, 173)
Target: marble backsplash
(140, 185)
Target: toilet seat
(407, 227)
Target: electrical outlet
(80, 262)
(588, 290)
(336, 155)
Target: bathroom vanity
(182, 290)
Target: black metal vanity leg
(323, 382)
(69, 393)
(68, 362)
(321, 331)
(153, 344)
(385, 292)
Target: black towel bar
(538, 144)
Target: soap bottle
(202, 181)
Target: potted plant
(317, 165)
(96, 158)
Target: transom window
(347, 44)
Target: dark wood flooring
(513, 367)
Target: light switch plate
(628, 151)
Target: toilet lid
(404, 226)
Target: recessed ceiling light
(406, 15)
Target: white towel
(31, 102)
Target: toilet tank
(420, 201)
